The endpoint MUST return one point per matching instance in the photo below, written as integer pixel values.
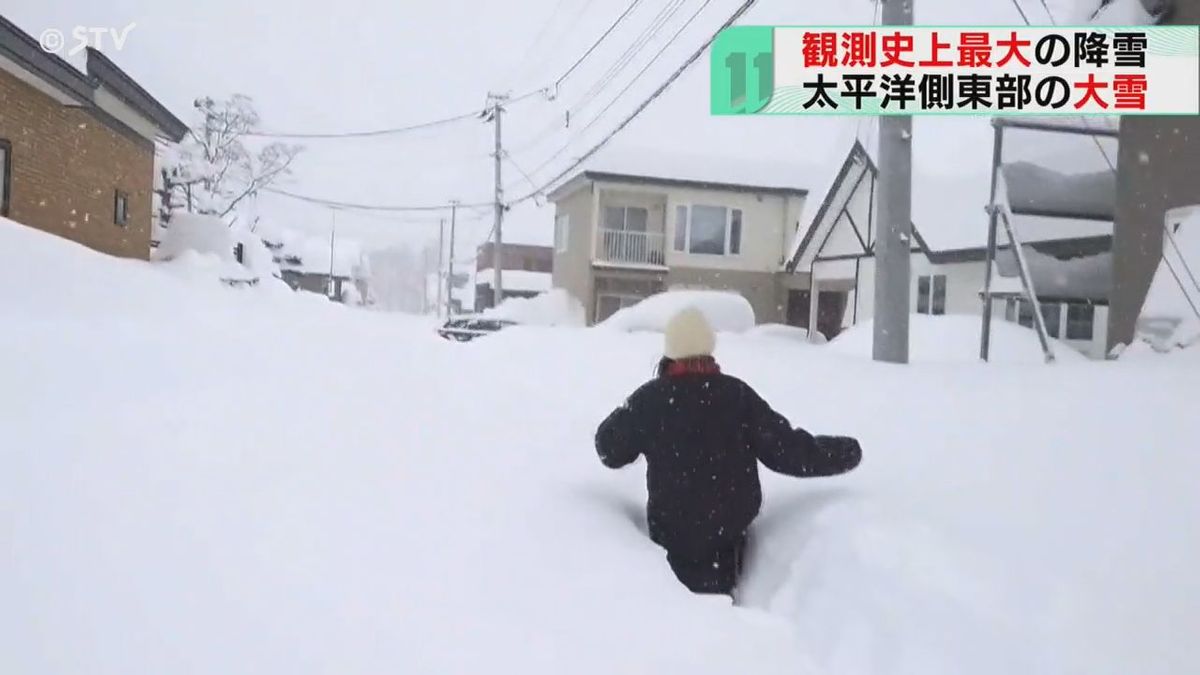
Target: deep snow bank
(954, 338)
(199, 480)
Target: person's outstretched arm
(619, 438)
(795, 452)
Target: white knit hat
(688, 334)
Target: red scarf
(693, 365)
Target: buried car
(467, 328)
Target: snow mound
(726, 312)
(207, 235)
(65, 279)
(780, 331)
(1169, 318)
(955, 339)
(555, 308)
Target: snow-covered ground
(196, 479)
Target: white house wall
(842, 240)
(843, 193)
(963, 283)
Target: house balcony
(632, 248)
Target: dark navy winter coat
(703, 435)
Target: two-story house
(619, 238)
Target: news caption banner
(925, 70)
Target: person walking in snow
(703, 433)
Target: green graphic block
(743, 70)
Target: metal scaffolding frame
(999, 213)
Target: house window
(120, 208)
(5, 175)
(562, 230)
(1081, 319)
(931, 294)
(1025, 313)
(681, 223)
(625, 218)
(1051, 314)
(708, 230)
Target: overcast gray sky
(321, 66)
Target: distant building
(304, 267)
(526, 272)
(76, 149)
(621, 237)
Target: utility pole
(450, 264)
(498, 244)
(893, 245)
(332, 242)
(441, 256)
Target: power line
(541, 34)
(1083, 119)
(1179, 252)
(371, 207)
(512, 161)
(547, 132)
(737, 14)
(664, 15)
(627, 87)
(1024, 17)
(596, 44)
(377, 132)
(473, 115)
(1049, 13)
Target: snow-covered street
(195, 479)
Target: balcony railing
(634, 248)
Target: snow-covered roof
(1082, 278)
(1060, 186)
(694, 170)
(516, 280)
(311, 255)
(952, 167)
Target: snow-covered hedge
(199, 245)
(207, 235)
(725, 311)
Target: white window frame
(625, 209)
(932, 277)
(687, 228)
(562, 233)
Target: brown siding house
(76, 150)
(519, 258)
(526, 257)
